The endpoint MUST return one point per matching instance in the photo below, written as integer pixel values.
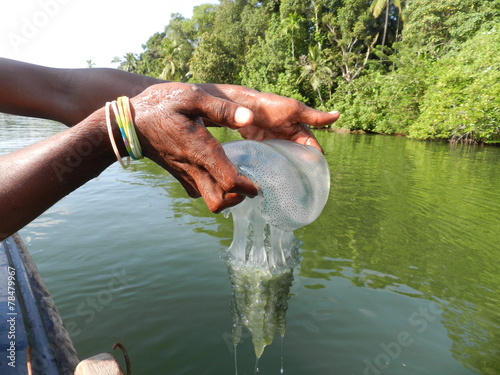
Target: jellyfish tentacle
(293, 182)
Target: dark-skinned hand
(167, 121)
(171, 134)
(275, 116)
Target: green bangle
(112, 139)
(123, 114)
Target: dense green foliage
(428, 69)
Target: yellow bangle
(112, 138)
(123, 114)
(130, 128)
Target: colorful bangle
(112, 138)
(130, 128)
(123, 114)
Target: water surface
(399, 275)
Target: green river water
(399, 275)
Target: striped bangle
(121, 107)
(112, 138)
(125, 122)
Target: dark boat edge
(46, 344)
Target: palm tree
(290, 25)
(378, 6)
(314, 68)
(171, 61)
(127, 63)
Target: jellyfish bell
(293, 182)
(293, 179)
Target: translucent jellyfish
(293, 182)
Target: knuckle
(215, 206)
(219, 110)
(296, 106)
(195, 90)
(228, 184)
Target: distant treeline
(428, 69)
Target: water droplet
(282, 370)
(257, 365)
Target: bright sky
(67, 33)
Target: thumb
(243, 116)
(223, 112)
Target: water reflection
(18, 132)
(408, 226)
(420, 220)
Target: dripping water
(235, 346)
(256, 365)
(282, 370)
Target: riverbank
(464, 140)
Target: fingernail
(243, 116)
(333, 112)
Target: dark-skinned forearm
(64, 95)
(36, 177)
(70, 95)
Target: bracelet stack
(125, 122)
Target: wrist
(99, 131)
(121, 138)
(142, 116)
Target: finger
(243, 185)
(304, 136)
(309, 141)
(318, 118)
(215, 197)
(230, 200)
(218, 200)
(177, 171)
(212, 175)
(223, 112)
(190, 190)
(209, 124)
(211, 156)
(218, 205)
(225, 174)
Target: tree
(352, 38)
(349, 58)
(463, 102)
(315, 70)
(378, 6)
(269, 67)
(291, 26)
(173, 65)
(128, 63)
(434, 28)
(213, 62)
(325, 52)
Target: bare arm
(64, 95)
(70, 95)
(36, 177)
